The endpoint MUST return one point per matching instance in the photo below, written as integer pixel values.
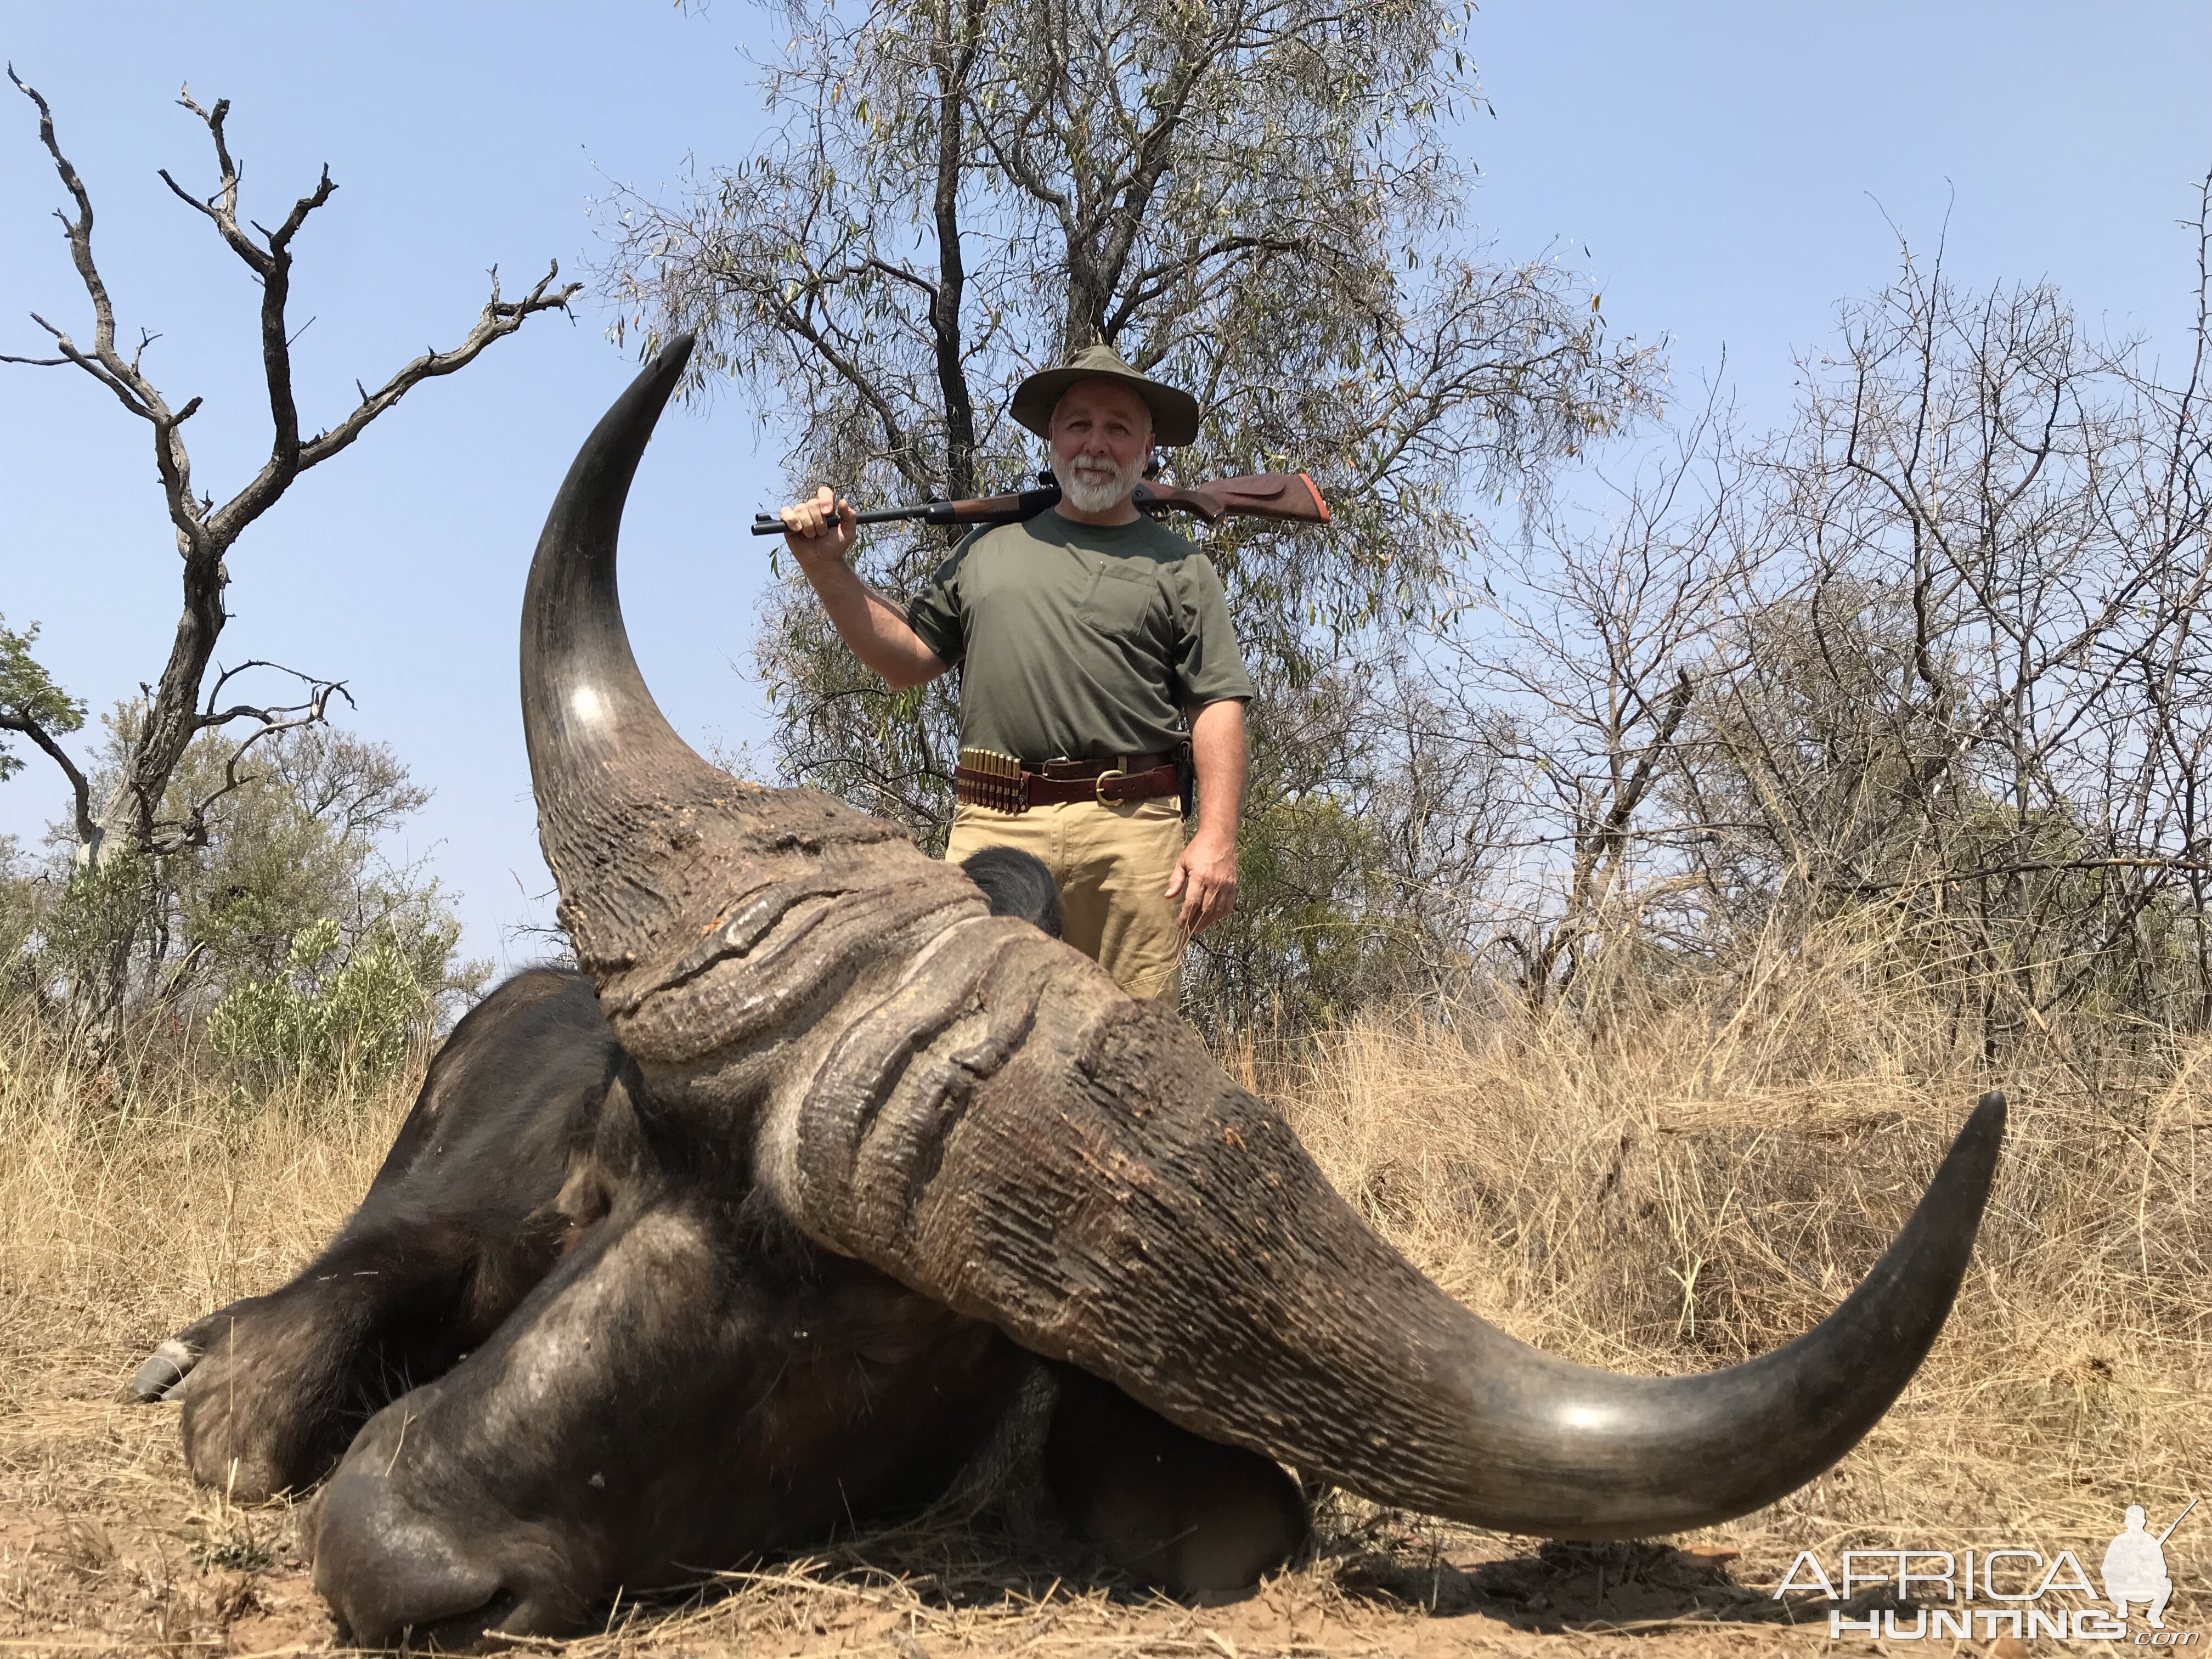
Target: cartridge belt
(986, 778)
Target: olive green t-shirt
(1079, 640)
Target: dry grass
(1688, 1184)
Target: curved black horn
(585, 706)
(617, 789)
(976, 1110)
(1111, 1199)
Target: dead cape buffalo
(863, 1149)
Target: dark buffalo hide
(851, 1399)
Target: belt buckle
(1098, 785)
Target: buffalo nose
(394, 1572)
(391, 1573)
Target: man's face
(1101, 434)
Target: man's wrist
(1215, 844)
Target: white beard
(1104, 490)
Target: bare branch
(104, 364)
(203, 532)
(318, 692)
(87, 832)
(192, 829)
(499, 318)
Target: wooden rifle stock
(1288, 497)
(1291, 497)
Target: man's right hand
(823, 528)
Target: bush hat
(1174, 414)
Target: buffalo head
(972, 1132)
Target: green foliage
(294, 840)
(331, 1014)
(28, 695)
(1368, 836)
(97, 919)
(273, 914)
(19, 914)
(1311, 935)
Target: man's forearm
(870, 625)
(1217, 753)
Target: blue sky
(1727, 171)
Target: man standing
(1085, 638)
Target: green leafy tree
(288, 841)
(328, 1014)
(19, 915)
(33, 705)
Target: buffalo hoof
(162, 1376)
(266, 1404)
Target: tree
(1253, 200)
(1363, 859)
(31, 704)
(285, 887)
(1980, 702)
(1927, 666)
(19, 912)
(140, 813)
(1579, 663)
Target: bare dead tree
(1596, 646)
(1928, 666)
(174, 712)
(1999, 529)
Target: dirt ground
(105, 1547)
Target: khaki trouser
(1113, 863)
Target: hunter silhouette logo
(2134, 1568)
(1933, 1594)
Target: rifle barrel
(1282, 495)
(768, 524)
(994, 509)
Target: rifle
(1291, 497)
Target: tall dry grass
(1698, 1175)
(138, 1195)
(1690, 1179)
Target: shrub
(343, 1015)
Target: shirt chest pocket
(1120, 597)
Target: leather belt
(984, 778)
(1095, 768)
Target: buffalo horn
(977, 1111)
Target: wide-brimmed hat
(1174, 414)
